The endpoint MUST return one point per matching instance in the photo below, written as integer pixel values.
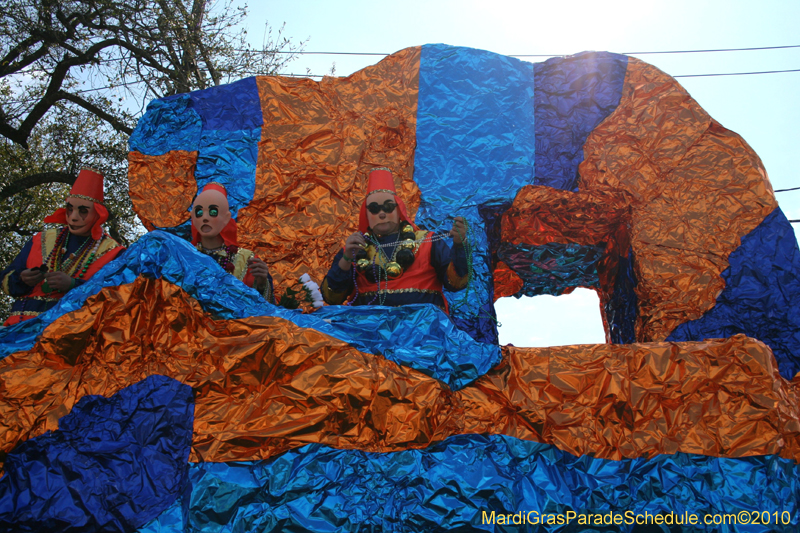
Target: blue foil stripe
(415, 336)
(456, 362)
(170, 521)
(229, 158)
(573, 96)
(475, 125)
(761, 295)
(114, 464)
(622, 307)
(451, 485)
(552, 268)
(230, 107)
(168, 124)
(472, 309)
(232, 120)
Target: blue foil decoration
(229, 158)
(573, 96)
(169, 124)
(230, 107)
(232, 120)
(469, 101)
(552, 268)
(456, 361)
(114, 464)
(622, 307)
(457, 485)
(761, 295)
(415, 336)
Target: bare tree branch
(34, 180)
(114, 121)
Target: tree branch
(88, 106)
(34, 180)
(51, 95)
(54, 93)
(6, 65)
(11, 133)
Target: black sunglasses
(375, 208)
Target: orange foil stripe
(264, 385)
(695, 189)
(314, 158)
(162, 187)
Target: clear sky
(763, 109)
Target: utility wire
(291, 75)
(677, 76)
(562, 55)
(521, 55)
(785, 190)
(323, 53)
(552, 55)
(734, 73)
(716, 50)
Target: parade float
(165, 395)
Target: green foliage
(292, 299)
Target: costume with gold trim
(32, 301)
(436, 266)
(237, 259)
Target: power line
(302, 75)
(322, 53)
(786, 190)
(292, 75)
(678, 76)
(716, 50)
(734, 73)
(562, 55)
(550, 55)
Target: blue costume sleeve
(10, 277)
(454, 277)
(338, 283)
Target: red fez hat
(380, 180)
(229, 232)
(88, 186)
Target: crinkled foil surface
(165, 395)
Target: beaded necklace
(76, 263)
(224, 255)
(428, 238)
(379, 295)
(377, 270)
(390, 269)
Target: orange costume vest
(419, 277)
(43, 244)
